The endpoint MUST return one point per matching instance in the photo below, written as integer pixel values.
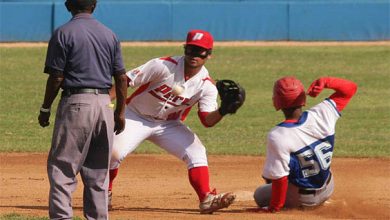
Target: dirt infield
(157, 187)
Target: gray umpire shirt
(73, 49)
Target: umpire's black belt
(71, 91)
(314, 191)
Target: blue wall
(25, 21)
(340, 21)
(160, 20)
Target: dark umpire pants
(82, 143)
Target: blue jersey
(310, 166)
(303, 150)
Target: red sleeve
(344, 90)
(202, 117)
(279, 192)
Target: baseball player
(299, 150)
(167, 88)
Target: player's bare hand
(316, 87)
(119, 123)
(43, 119)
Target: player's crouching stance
(167, 88)
(299, 150)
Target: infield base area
(157, 187)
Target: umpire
(82, 57)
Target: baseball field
(154, 185)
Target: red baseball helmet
(288, 92)
(200, 38)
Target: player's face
(195, 56)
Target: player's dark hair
(289, 112)
(80, 5)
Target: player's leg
(327, 192)
(262, 195)
(94, 171)
(293, 197)
(70, 145)
(136, 130)
(179, 140)
(309, 200)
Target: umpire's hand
(119, 122)
(43, 119)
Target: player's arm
(54, 66)
(113, 88)
(209, 119)
(275, 172)
(344, 90)
(113, 92)
(121, 94)
(209, 113)
(279, 193)
(53, 85)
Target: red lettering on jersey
(178, 98)
(164, 93)
(164, 89)
(185, 102)
(162, 98)
(153, 93)
(167, 95)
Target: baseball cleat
(214, 202)
(109, 200)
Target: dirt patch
(157, 187)
(225, 43)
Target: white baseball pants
(173, 136)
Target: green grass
(363, 131)
(14, 216)
(20, 217)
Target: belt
(71, 91)
(314, 191)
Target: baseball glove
(232, 96)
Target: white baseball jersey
(303, 150)
(155, 79)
